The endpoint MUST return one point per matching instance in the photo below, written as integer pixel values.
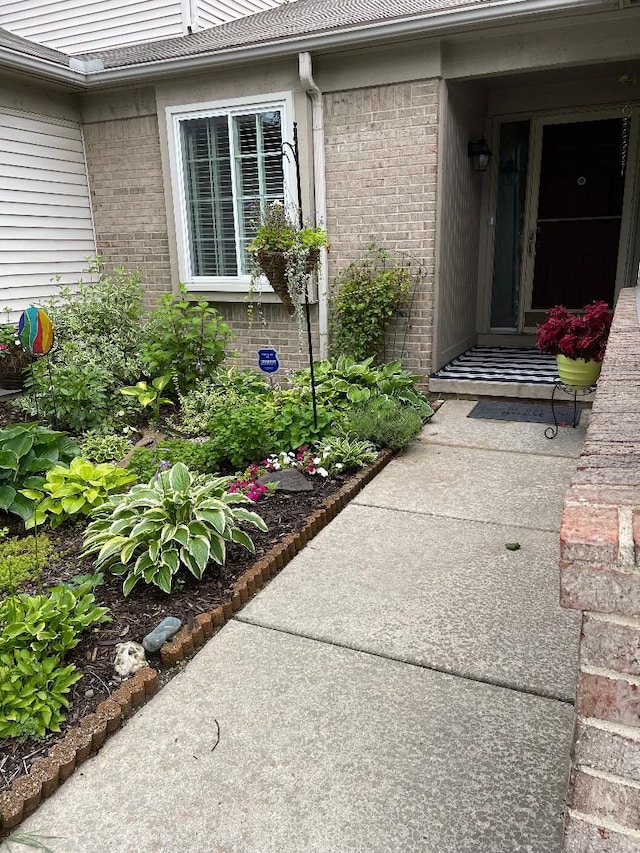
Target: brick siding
(127, 194)
(600, 575)
(381, 149)
(381, 185)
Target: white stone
(129, 658)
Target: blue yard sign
(268, 360)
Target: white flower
(317, 460)
(322, 471)
(338, 466)
(277, 466)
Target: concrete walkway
(405, 684)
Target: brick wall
(125, 178)
(381, 148)
(600, 575)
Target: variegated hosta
(177, 520)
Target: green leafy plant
(75, 490)
(385, 422)
(242, 431)
(98, 350)
(276, 230)
(202, 457)
(293, 424)
(150, 394)
(345, 382)
(186, 339)
(341, 453)
(101, 447)
(33, 690)
(211, 396)
(21, 559)
(366, 295)
(27, 452)
(176, 521)
(50, 623)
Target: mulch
(135, 616)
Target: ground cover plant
(103, 539)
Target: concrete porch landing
(405, 684)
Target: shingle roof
(30, 48)
(291, 20)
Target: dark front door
(579, 215)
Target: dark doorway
(579, 214)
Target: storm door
(573, 235)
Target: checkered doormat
(501, 364)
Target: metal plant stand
(552, 431)
(295, 151)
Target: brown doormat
(534, 413)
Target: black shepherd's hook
(295, 151)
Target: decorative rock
(89, 694)
(129, 658)
(289, 480)
(154, 641)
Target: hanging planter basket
(274, 266)
(577, 373)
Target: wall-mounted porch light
(480, 155)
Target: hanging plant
(285, 254)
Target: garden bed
(292, 519)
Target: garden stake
(296, 159)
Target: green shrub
(242, 432)
(98, 350)
(203, 457)
(366, 295)
(77, 490)
(33, 692)
(27, 452)
(22, 558)
(48, 623)
(385, 422)
(99, 447)
(185, 339)
(176, 521)
(206, 399)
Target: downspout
(305, 71)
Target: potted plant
(285, 253)
(578, 340)
(13, 359)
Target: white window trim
(282, 101)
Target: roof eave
(492, 11)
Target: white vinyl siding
(82, 26)
(226, 163)
(214, 12)
(46, 227)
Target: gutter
(431, 23)
(305, 70)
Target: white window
(226, 164)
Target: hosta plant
(77, 490)
(27, 452)
(33, 692)
(49, 623)
(176, 521)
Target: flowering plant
(576, 335)
(304, 460)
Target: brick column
(600, 575)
